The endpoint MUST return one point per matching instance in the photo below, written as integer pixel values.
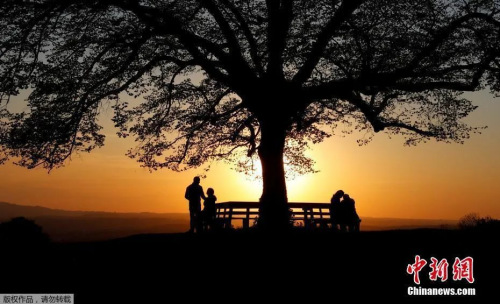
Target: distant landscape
(81, 226)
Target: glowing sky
(432, 180)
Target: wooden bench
(310, 215)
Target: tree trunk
(273, 212)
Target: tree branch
(165, 23)
(248, 35)
(280, 14)
(342, 14)
(226, 29)
(400, 125)
(441, 36)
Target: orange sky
(386, 179)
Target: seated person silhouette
(209, 210)
(335, 209)
(351, 218)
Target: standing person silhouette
(335, 210)
(194, 194)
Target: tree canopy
(205, 73)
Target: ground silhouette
(23, 232)
(298, 267)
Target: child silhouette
(209, 210)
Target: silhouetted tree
(474, 221)
(468, 221)
(218, 79)
(22, 231)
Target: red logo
(462, 269)
(439, 270)
(416, 268)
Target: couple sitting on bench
(343, 213)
